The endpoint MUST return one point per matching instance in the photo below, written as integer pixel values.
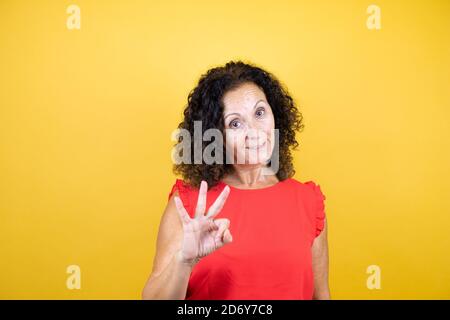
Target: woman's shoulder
(308, 187)
(189, 194)
(311, 190)
(188, 190)
(183, 184)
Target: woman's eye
(234, 124)
(260, 112)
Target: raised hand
(202, 234)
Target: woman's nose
(254, 126)
(254, 136)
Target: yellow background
(86, 117)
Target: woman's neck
(250, 176)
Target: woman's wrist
(185, 262)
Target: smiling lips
(256, 148)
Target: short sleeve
(319, 205)
(183, 190)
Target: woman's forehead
(243, 97)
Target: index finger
(219, 203)
(184, 215)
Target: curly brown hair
(205, 104)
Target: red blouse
(273, 229)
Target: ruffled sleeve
(319, 205)
(183, 191)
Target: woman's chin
(255, 160)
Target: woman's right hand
(202, 234)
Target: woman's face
(249, 125)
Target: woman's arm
(320, 266)
(183, 241)
(170, 276)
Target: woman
(245, 229)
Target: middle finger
(201, 201)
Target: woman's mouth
(257, 147)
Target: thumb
(227, 237)
(223, 225)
